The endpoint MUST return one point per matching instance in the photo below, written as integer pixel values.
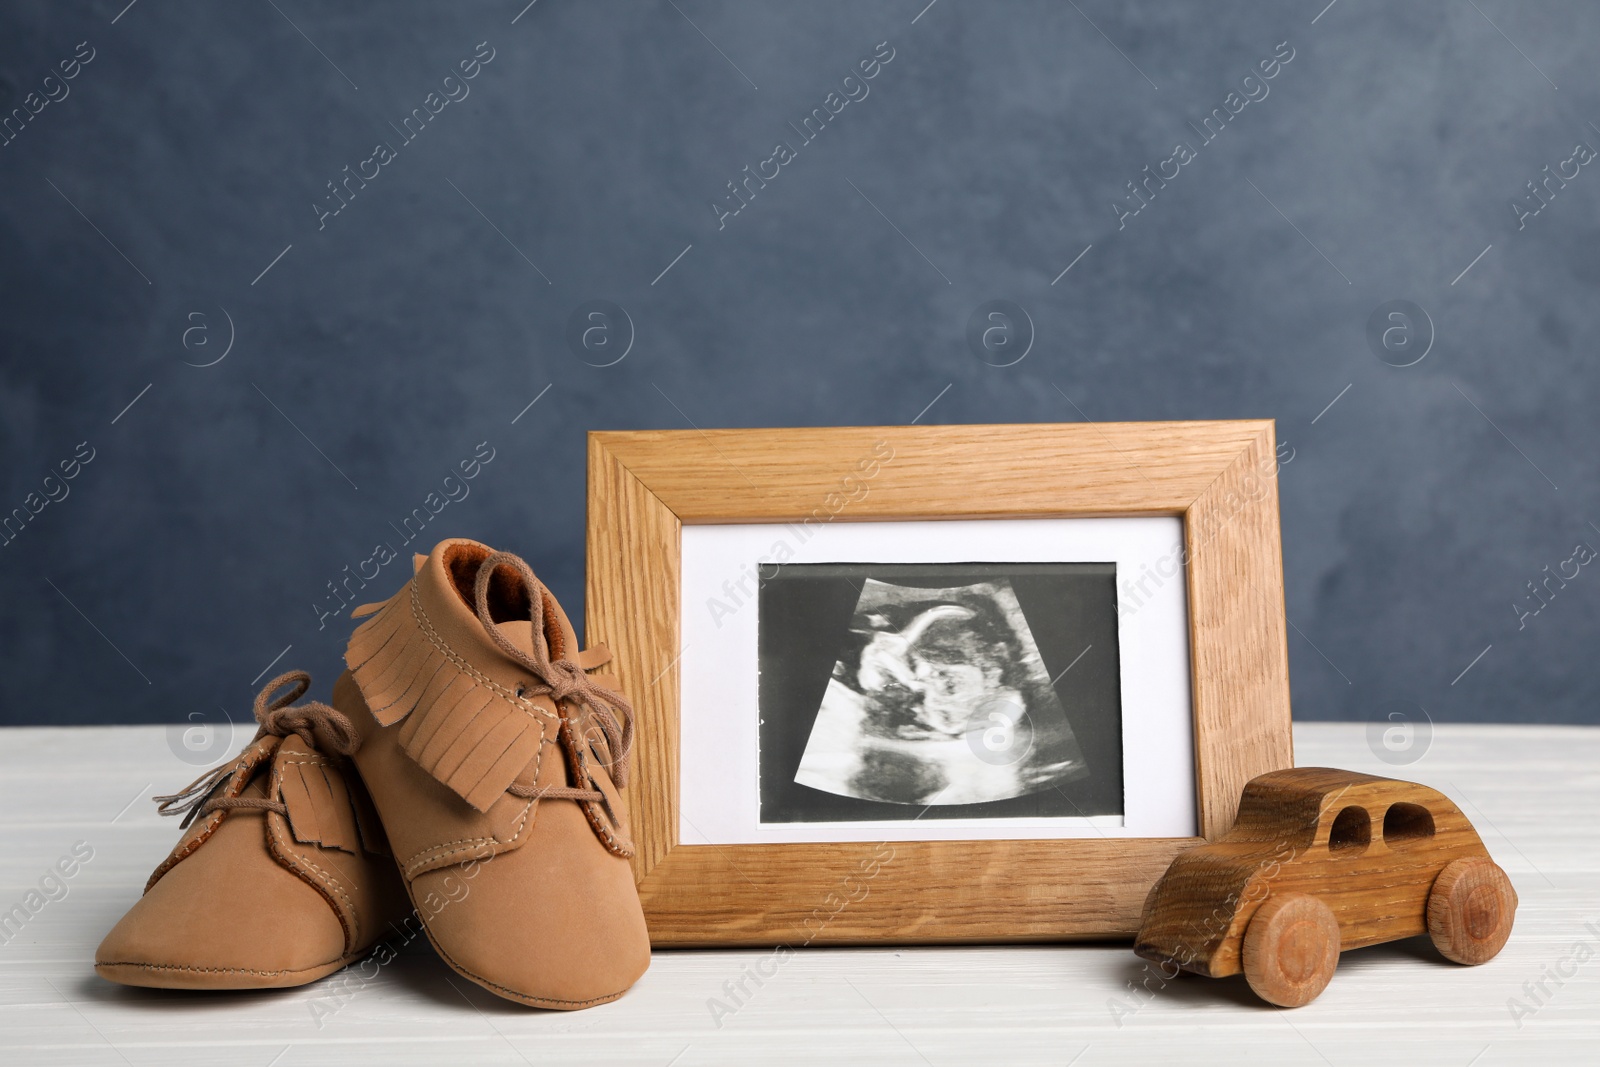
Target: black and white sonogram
(939, 697)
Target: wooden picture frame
(1220, 477)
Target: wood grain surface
(1219, 476)
(631, 606)
(938, 472)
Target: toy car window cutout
(1351, 832)
(1406, 822)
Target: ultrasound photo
(936, 691)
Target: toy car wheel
(1470, 910)
(1291, 948)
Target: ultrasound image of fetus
(939, 697)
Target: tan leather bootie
(283, 874)
(494, 759)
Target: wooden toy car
(1319, 861)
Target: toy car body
(1320, 861)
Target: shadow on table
(414, 973)
(1141, 984)
(420, 972)
(90, 988)
(1417, 949)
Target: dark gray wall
(139, 211)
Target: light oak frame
(1220, 477)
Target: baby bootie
(283, 874)
(494, 757)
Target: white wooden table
(1533, 792)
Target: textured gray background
(987, 157)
